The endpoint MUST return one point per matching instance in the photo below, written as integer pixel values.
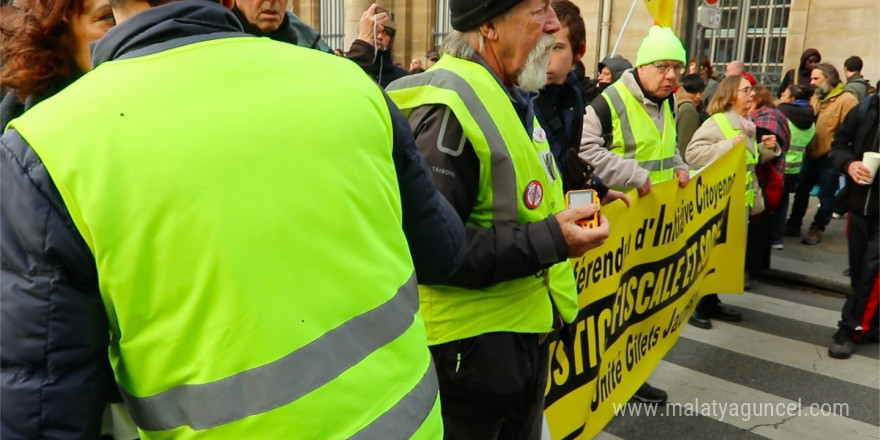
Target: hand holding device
(574, 199)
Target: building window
(754, 32)
(442, 25)
(333, 23)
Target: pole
(625, 23)
(701, 32)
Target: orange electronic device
(582, 197)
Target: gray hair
(461, 44)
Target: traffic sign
(710, 17)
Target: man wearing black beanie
(474, 121)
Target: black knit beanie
(467, 15)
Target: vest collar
(166, 26)
(523, 102)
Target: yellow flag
(661, 10)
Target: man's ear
(579, 53)
(489, 30)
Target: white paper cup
(871, 160)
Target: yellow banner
(638, 290)
(661, 10)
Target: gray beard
(534, 75)
(822, 91)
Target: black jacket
(799, 113)
(292, 30)
(378, 65)
(560, 111)
(859, 134)
(55, 374)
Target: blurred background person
(611, 68)
(855, 82)
(45, 48)
(688, 98)
(800, 77)
(372, 49)
(415, 66)
(431, 57)
(795, 105)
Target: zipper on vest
(457, 360)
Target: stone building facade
(769, 35)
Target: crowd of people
(252, 268)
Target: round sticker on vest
(538, 134)
(534, 194)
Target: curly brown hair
(38, 53)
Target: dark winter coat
(800, 113)
(857, 135)
(292, 30)
(378, 65)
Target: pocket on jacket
(494, 362)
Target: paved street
(777, 355)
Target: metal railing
(333, 23)
(754, 32)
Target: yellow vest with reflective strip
(751, 157)
(256, 285)
(794, 157)
(635, 135)
(511, 163)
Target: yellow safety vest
(751, 156)
(635, 135)
(519, 183)
(256, 286)
(794, 157)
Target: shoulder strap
(554, 121)
(603, 111)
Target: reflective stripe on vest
(635, 134)
(799, 141)
(239, 306)
(751, 157)
(511, 161)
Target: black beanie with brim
(467, 15)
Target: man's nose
(552, 25)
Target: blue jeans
(814, 171)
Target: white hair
(534, 74)
(461, 44)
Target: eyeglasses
(746, 90)
(678, 69)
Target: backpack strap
(554, 121)
(603, 111)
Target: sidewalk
(821, 265)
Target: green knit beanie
(660, 44)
